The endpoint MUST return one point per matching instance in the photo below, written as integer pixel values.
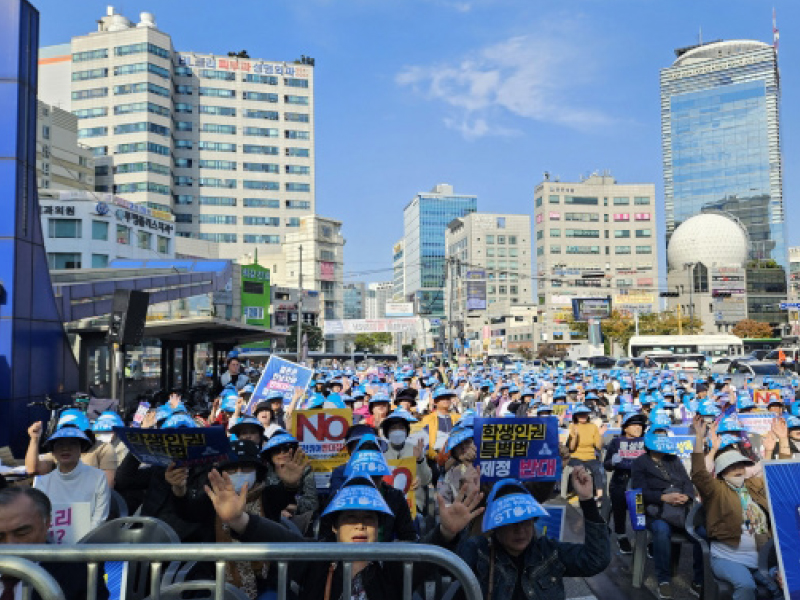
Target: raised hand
(700, 427)
(149, 420)
(419, 449)
(177, 478)
(35, 430)
(779, 428)
(291, 472)
(582, 483)
(457, 516)
(228, 504)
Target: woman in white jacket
(396, 428)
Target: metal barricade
(31, 573)
(280, 554)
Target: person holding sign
(73, 483)
(463, 452)
(355, 516)
(396, 429)
(584, 443)
(512, 561)
(439, 423)
(289, 479)
(737, 519)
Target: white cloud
(539, 77)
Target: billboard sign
(355, 326)
(476, 290)
(255, 295)
(732, 282)
(399, 309)
(584, 309)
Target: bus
(751, 344)
(712, 346)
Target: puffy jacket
(646, 475)
(546, 561)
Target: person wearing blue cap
(289, 479)
(396, 428)
(667, 493)
(355, 515)
(459, 470)
(620, 454)
(439, 423)
(511, 561)
(73, 482)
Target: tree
(315, 338)
(372, 342)
(748, 328)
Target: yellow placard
(404, 471)
(321, 435)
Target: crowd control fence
(157, 555)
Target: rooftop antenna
(700, 36)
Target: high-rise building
(425, 220)
(378, 294)
(490, 259)
(225, 142)
(721, 144)
(593, 239)
(61, 162)
(354, 294)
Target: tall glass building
(721, 146)
(425, 219)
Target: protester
(584, 443)
(396, 428)
(74, 483)
(232, 375)
(459, 469)
(439, 423)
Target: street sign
(435, 322)
(790, 305)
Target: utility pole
(300, 312)
(449, 339)
(691, 295)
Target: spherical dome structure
(709, 238)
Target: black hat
(246, 452)
(406, 395)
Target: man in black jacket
(666, 487)
(25, 519)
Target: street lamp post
(690, 266)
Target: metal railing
(25, 570)
(93, 555)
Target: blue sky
(483, 94)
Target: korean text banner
(522, 448)
(69, 522)
(552, 526)
(183, 446)
(782, 479)
(404, 470)
(760, 422)
(280, 375)
(635, 502)
(321, 436)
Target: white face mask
(735, 481)
(397, 437)
(239, 478)
(106, 438)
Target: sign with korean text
(475, 282)
(69, 522)
(255, 295)
(321, 436)
(404, 471)
(280, 375)
(760, 423)
(782, 479)
(767, 396)
(522, 448)
(183, 446)
(635, 502)
(552, 525)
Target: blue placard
(635, 502)
(522, 448)
(183, 446)
(551, 526)
(685, 444)
(280, 375)
(782, 479)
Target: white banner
(399, 309)
(354, 326)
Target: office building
(87, 230)
(378, 294)
(721, 144)
(354, 294)
(225, 142)
(61, 162)
(593, 239)
(425, 221)
(490, 259)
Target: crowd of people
(613, 422)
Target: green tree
(315, 338)
(748, 328)
(372, 342)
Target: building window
(490, 239)
(213, 92)
(63, 260)
(261, 185)
(621, 201)
(555, 233)
(64, 228)
(261, 203)
(539, 234)
(90, 74)
(217, 201)
(262, 239)
(644, 249)
(265, 221)
(254, 78)
(216, 146)
(253, 149)
(622, 250)
(261, 167)
(123, 235)
(490, 252)
(555, 249)
(92, 132)
(298, 152)
(216, 219)
(622, 217)
(642, 216)
(641, 200)
(261, 132)
(293, 222)
(145, 240)
(583, 200)
(297, 135)
(554, 199)
(643, 233)
(300, 100)
(100, 231)
(583, 249)
(163, 244)
(299, 204)
(298, 187)
(501, 239)
(218, 128)
(183, 218)
(270, 115)
(298, 170)
(220, 238)
(99, 261)
(624, 233)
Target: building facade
(354, 300)
(720, 125)
(593, 239)
(224, 142)
(490, 260)
(398, 271)
(425, 220)
(378, 294)
(61, 162)
(86, 230)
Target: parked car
(759, 354)
(754, 368)
(601, 362)
(792, 357)
(630, 363)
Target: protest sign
(404, 471)
(782, 479)
(767, 396)
(760, 422)
(141, 412)
(522, 448)
(551, 526)
(635, 502)
(280, 375)
(321, 436)
(69, 522)
(186, 447)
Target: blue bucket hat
(792, 422)
(279, 438)
(444, 393)
(228, 399)
(68, 433)
(163, 413)
(358, 493)
(179, 420)
(659, 419)
(369, 463)
(336, 399)
(243, 421)
(708, 409)
(514, 506)
(660, 443)
(107, 421)
(745, 402)
(75, 418)
(457, 437)
(729, 424)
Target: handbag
(675, 516)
